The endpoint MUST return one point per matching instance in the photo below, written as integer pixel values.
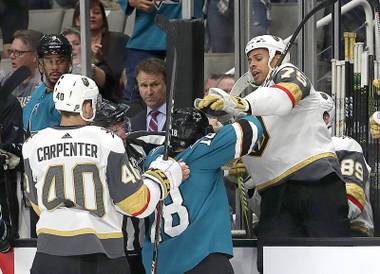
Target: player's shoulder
(32, 141)
(105, 137)
(346, 143)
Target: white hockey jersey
(356, 174)
(296, 143)
(79, 179)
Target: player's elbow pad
(269, 101)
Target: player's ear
(87, 109)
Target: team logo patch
(85, 82)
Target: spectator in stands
(220, 25)
(23, 52)
(100, 73)
(151, 80)
(260, 17)
(14, 16)
(148, 40)
(211, 82)
(107, 47)
(226, 82)
(54, 59)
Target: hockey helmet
(54, 44)
(328, 106)
(110, 113)
(188, 125)
(272, 43)
(72, 90)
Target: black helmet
(54, 44)
(188, 125)
(109, 113)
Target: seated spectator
(23, 52)
(98, 71)
(107, 46)
(54, 59)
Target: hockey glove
(167, 174)
(374, 123)
(219, 100)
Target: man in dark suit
(151, 80)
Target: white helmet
(328, 105)
(270, 42)
(72, 90)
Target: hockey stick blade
(16, 78)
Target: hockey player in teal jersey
(196, 228)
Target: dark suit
(138, 121)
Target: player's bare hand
(144, 5)
(185, 171)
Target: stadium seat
(67, 19)
(46, 21)
(129, 24)
(116, 20)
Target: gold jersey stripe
(35, 208)
(135, 202)
(77, 232)
(356, 191)
(294, 89)
(295, 168)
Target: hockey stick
(240, 88)
(163, 23)
(16, 78)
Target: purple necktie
(153, 123)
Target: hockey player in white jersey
(295, 169)
(356, 174)
(80, 182)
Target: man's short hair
(152, 66)
(31, 38)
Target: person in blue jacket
(54, 59)
(196, 227)
(147, 39)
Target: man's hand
(374, 123)
(219, 100)
(144, 5)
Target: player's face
(152, 89)
(54, 66)
(21, 55)
(258, 65)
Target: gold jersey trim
(356, 191)
(294, 89)
(35, 208)
(77, 232)
(135, 203)
(294, 169)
